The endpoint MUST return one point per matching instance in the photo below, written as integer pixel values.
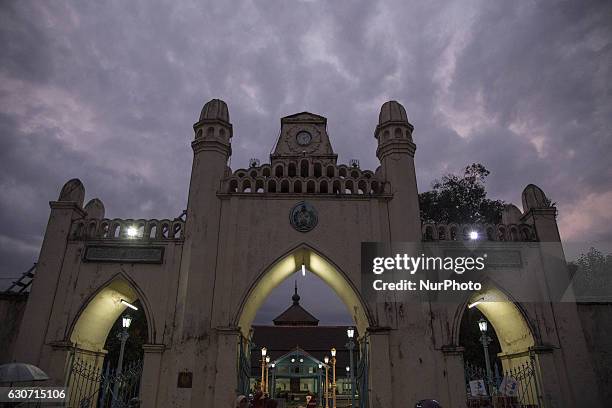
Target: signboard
(477, 388)
(122, 253)
(509, 387)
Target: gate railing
(93, 386)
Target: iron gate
(523, 377)
(245, 348)
(93, 386)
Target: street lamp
(333, 353)
(264, 351)
(267, 373)
(350, 332)
(123, 335)
(326, 360)
(485, 340)
(348, 377)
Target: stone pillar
(227, 364)
(454, 376)
(379, 375)
(149, 383)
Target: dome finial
(392, 111)
(215, 109)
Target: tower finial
(295, 297)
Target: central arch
(285, 266)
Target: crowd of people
(259, 400)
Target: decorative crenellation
(117, 229)
(488, 232)
(304, 176)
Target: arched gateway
(202, 278)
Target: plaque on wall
(121, 253)
(185, 379)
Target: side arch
(514, 328)
(283, 267)
(98, 313)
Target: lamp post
(264, 351)
(319, 399)
(348, 378)
(267, 375)
(326, 359)
(333, 353)
(485, 340)
(350, 332)
(126, 321)
(273, 384)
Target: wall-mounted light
(473, 235)
(128, 304)
(475, 303)
(303, 270)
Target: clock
(303, 138)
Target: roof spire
(296, 297)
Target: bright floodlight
(473, 234)
(132, 232)
(127, 321)
(326, 359)
(482, 325)
(333, 351)
(293, 360)
(301, 360)
(350, 332)
(303, 270)
(348, 369)
(128, 304)
(263, 351)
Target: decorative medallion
(303, 216)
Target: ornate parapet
(488, 232)
(128, 230)
(304, 176)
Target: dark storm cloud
(108, 91)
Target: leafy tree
(461, 199)
(592, 275)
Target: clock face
(303, 138)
